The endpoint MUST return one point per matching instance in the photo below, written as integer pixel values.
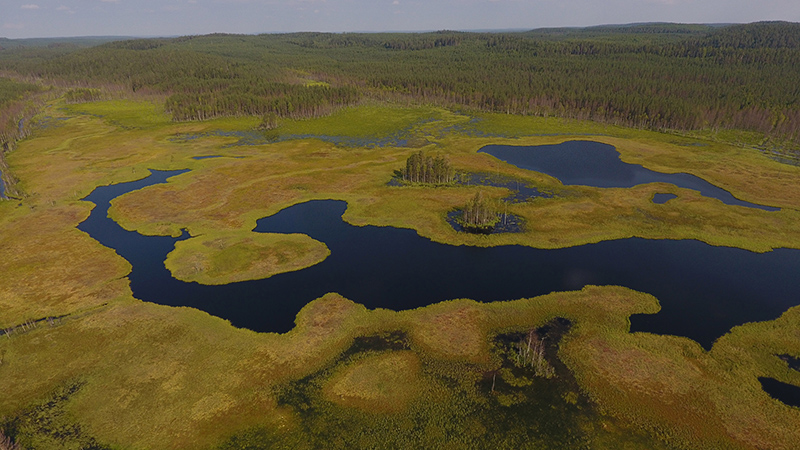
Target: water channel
(703, 290)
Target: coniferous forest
(654, 76)
(421, 168)
(313, 240)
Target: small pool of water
(789, 394)
(253, 137)
(663, 198)
(520, 190)
(794, 363)
(588, 163)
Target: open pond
(703, 290)
(588, 163)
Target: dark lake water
(2, 186)
(704, 290)
(588, 163)
(787, 393)
(663, 198)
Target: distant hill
(756, 35)
(633, 28)
(74, 42)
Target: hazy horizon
(483, 30)
(150, 18)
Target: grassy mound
(223, 258)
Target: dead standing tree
(530, 353)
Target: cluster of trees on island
(421, 168)
(660, 76)
(480, 214)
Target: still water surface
(703, 290)
(596, 164)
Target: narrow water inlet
(787, 394)
(2, 186)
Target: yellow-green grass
(60, 165)
(162, 377)
(234, 193)
(49, 268)
(124, 113)
(222, 258)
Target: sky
(62, 18)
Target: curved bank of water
(703, 290)
(589, 163)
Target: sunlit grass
(124, 113)
(223, 258)
(161, 377)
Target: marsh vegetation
(442, 343)
(557, 370)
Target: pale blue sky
(49, 18)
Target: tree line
(13, 109)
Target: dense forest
(656, 76)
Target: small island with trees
(425, 169)
(480, 215)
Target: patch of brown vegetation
(453, 330)
(382, 383)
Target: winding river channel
(704, 290)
